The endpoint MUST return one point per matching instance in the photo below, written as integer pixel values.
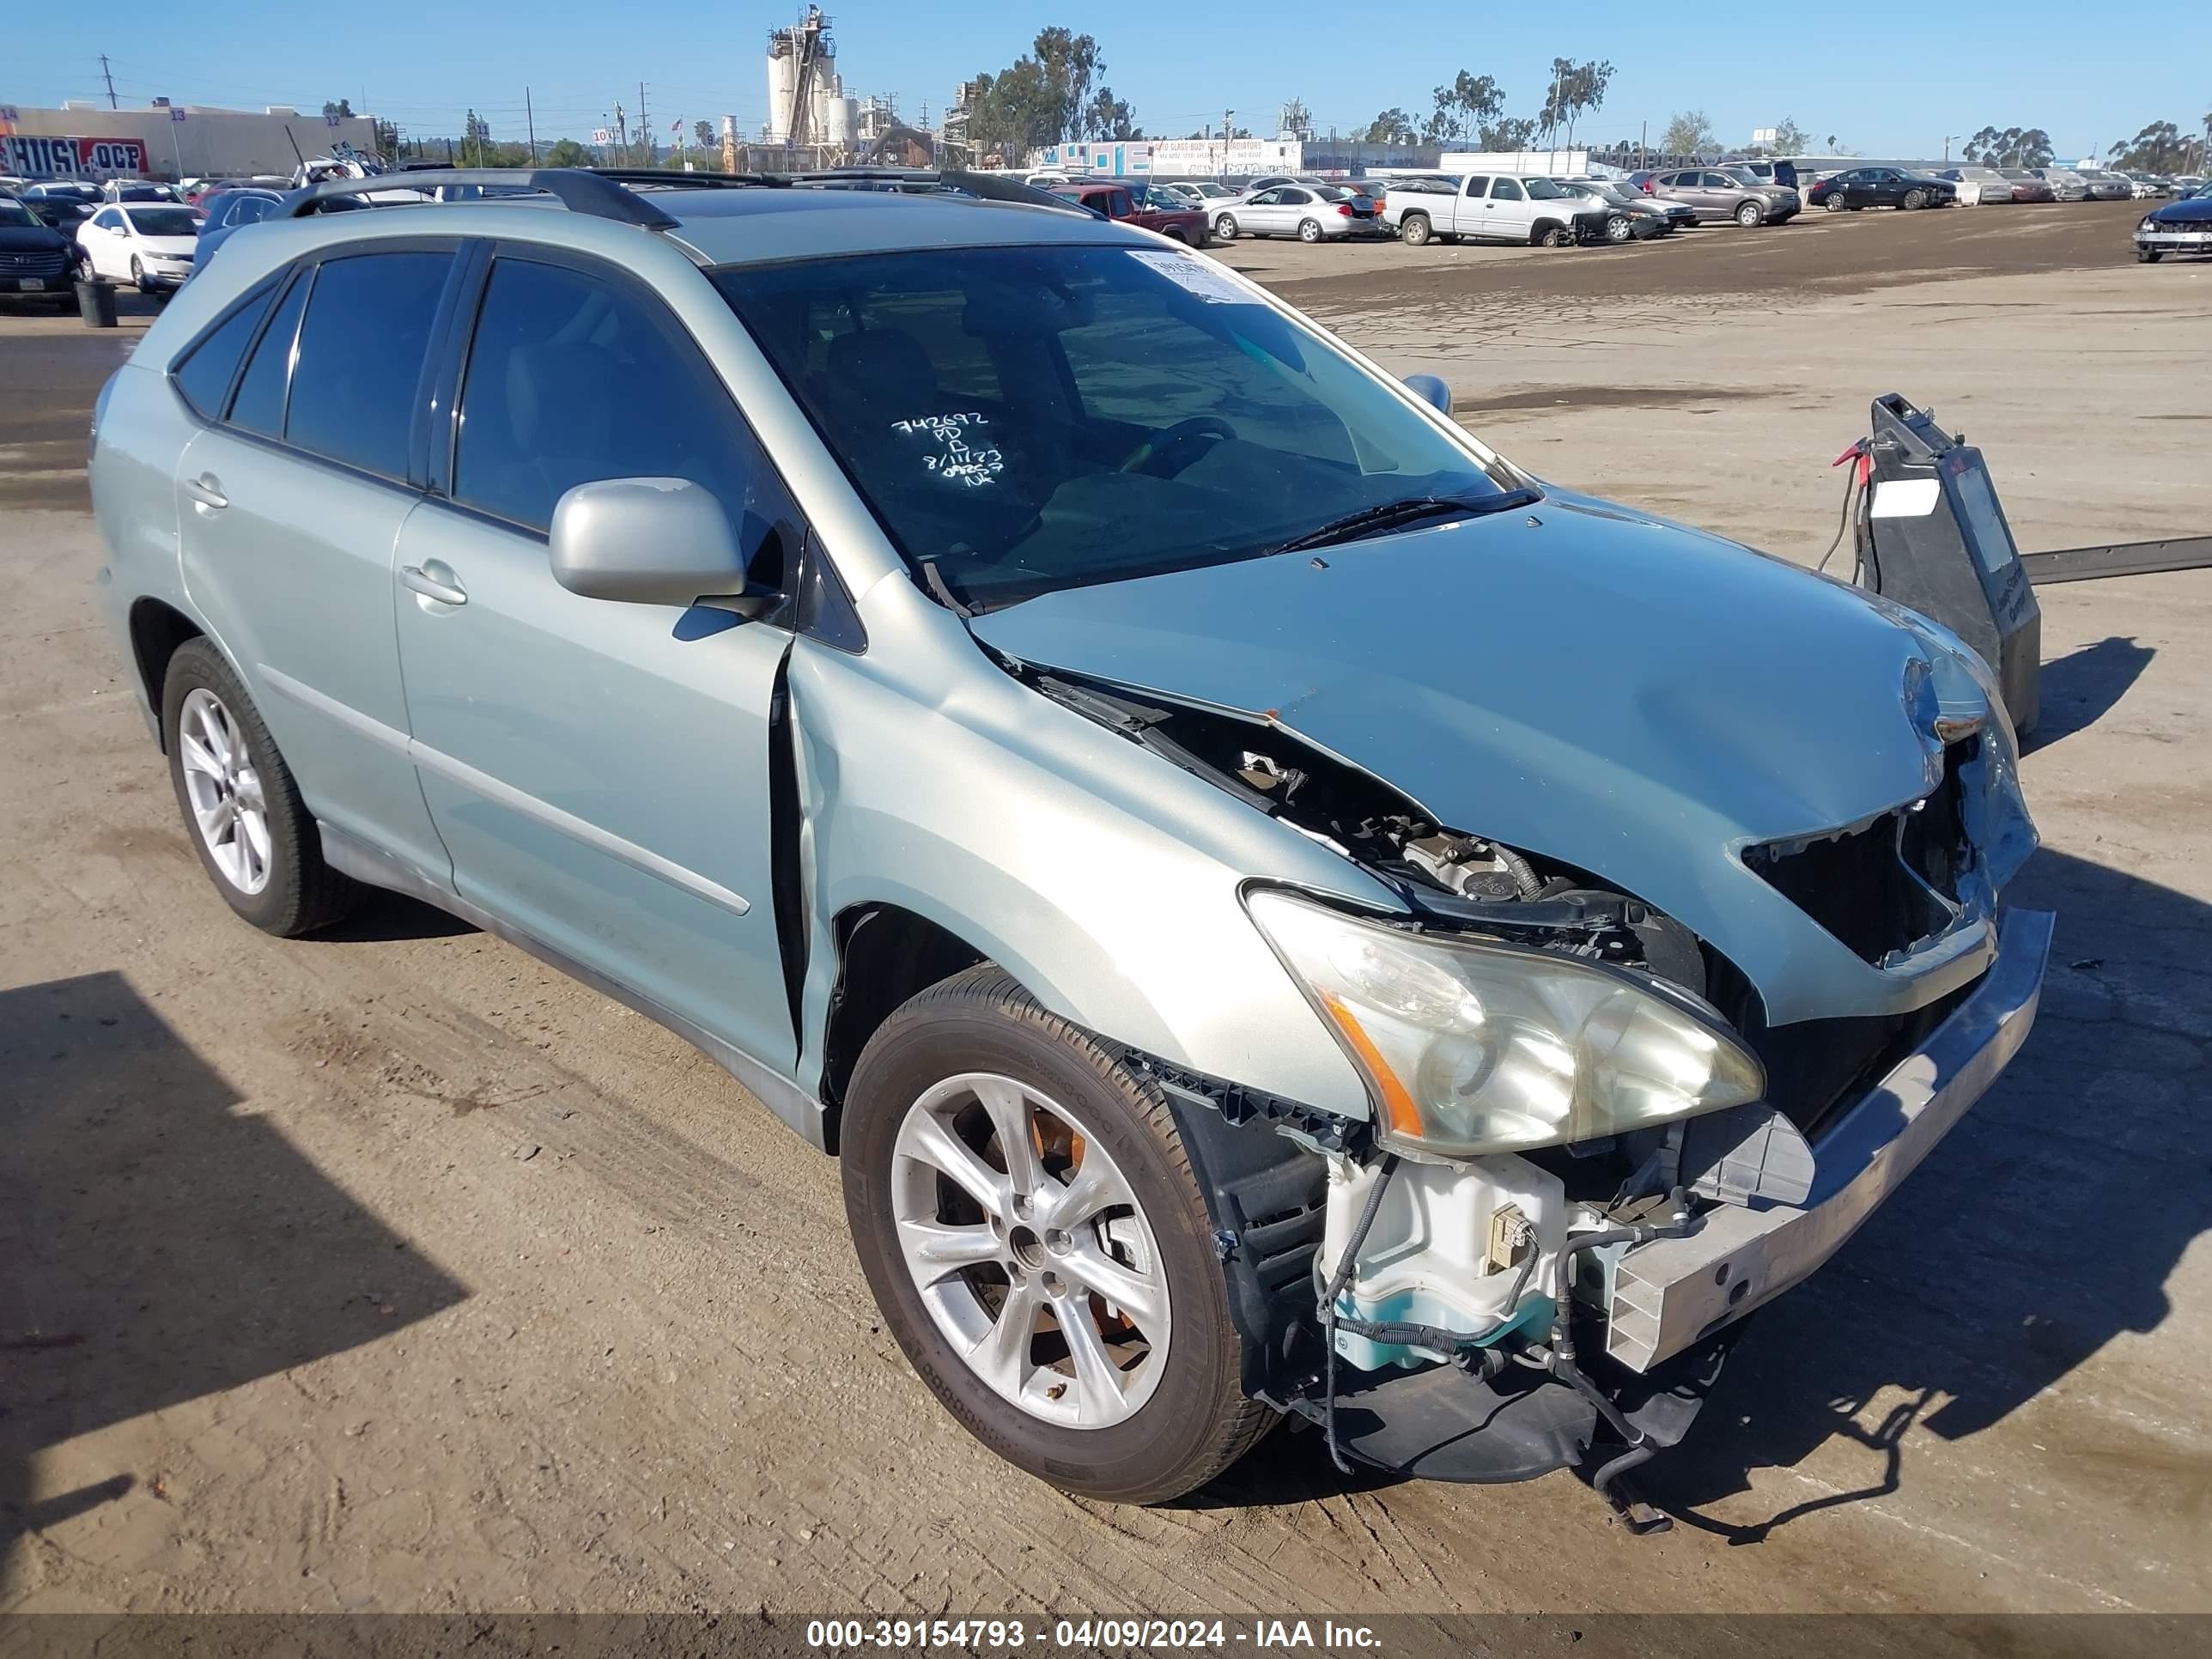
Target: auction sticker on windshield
(1194, 276)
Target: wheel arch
(157, 630)
(1546, 227)
(886, 954)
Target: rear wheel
(1749, 214)
(1833, 202)
(1027, 1218)
(1309, 230)
(255, 836)
(1414, 230)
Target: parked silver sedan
(1312, 213)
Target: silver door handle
(431, 588)
(207, 490)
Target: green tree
(1689, 132)
(2159, 148)
(1108, 117)
(1576, 89)
(704, 132)
(568, 153)
(387, 138)
(1392, 126)
(1507, 134)
(1790, 139)
(340, 107)
(1296, 120)
(1461, 109)
(1048, 95)
(2012, 147)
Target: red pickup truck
(1120, 202)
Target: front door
(288, 509)
(599, 770)
(1508, 216)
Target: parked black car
(2183, 226)
(1867, 187)
(35, 257)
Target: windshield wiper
(1395, 515)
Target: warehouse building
(86, 140)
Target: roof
(756, 227)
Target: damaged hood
(1611, 690)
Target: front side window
(1144, 413)
(1505, 189)
(360, 361)
(572, 378)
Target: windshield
(164, 222)
(1033, 418)
(143, 193)
(14, 213)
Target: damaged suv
(1277, 910)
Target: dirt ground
(390, 1270)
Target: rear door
(599, 770)
(290, 502)
(1467, 208)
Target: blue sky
(2035, 64)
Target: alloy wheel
(1030, 1250)
(228, 809)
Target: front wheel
(1748, 215)
(1414, 230)
(1025, 1214)
(1225, 226)
(1618, 228)
(137, 274)
(1914, 200)
(2150, 256)
(1309, 230)
(1555, 236)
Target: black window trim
(443, 440)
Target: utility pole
(622, 136)
(111, 81)
(531, 116)
(644, 125)
(1948, 139)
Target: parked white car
(1201, 193)
(1483, 208)
(147, 245)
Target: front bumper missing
(1662, 1298)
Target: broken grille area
(1885, 887)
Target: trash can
(95, 303)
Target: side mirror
(1431, 390)
(650, 541)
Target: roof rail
(992, 186)
(672, 180)
(578, 191)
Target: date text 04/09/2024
(1254, 1636)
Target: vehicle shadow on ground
(2043, 1227)
(155, 1245)
(2081, 688)
(384, 917)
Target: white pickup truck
(1487, 207)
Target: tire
(296, 892)
(1309, 231)
(137, 274)
(1914, 200)
(1833, 202)
(1619, 229)
(1414, 230)
(1225, 226)
(2150, 256)
(1749, 214)
(1555, 236)
(1157, 1434)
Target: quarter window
(259, 405)
(1477, 185)
(572, 378)
(205, 374)
(360, 361)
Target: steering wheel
(1178, 436)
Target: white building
(83, 139)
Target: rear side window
(259, 405)
(206, 373)
(361, 357)
(1476, 186)
(572, 379)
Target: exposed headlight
(2148, 222)
(1471, 1047)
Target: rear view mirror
(649, 541)
(1431, 390)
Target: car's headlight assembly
(1471, 1047)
